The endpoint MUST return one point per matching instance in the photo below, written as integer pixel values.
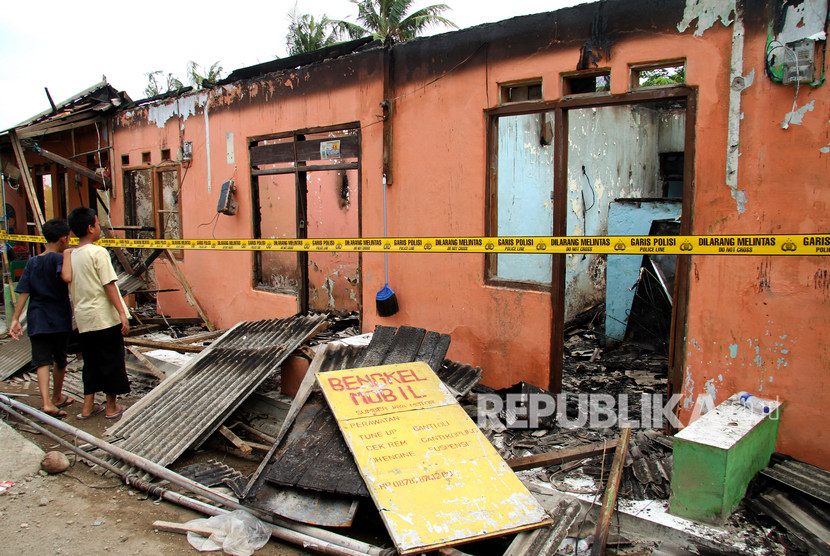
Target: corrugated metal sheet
(129, 284)
(459, 376)
(315, 431)
(189, 406)
(806, 478)
(14, 355)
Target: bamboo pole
(306, 536)
(609, 499)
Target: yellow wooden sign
(433, 475)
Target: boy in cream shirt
(100, 314)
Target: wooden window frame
(560, 109)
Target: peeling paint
(689, 389)
(733, 350)
(797, 115)
(707, 13)
(739, 82)
(711, 389)
(182, 107)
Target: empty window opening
(522, 92)
(151, 206)
(579, 84)
(306, 185)
(662, 75)
(521, 196)
(145, 158)
(125, 160)
(165, 155)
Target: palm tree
(388, 18)
(306, 33)
(210, 76)
(153, 87)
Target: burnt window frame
(506, 88)
(560, 110)
(299, 167)
(156, 187)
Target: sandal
(66, 401)
(96, 409)
(117, 414)
(59, 414)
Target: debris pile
(293, 470)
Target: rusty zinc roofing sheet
(14, 355)
(190, 405)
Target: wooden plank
(7, 273)
(202, 336)
(145, 264)
(184, 528)
(254, 432)
(74, 166)
(158, 373)
(235, 440)
(303, 392)
(279, 153)
(189, 295)
(172, 346)
(56, 126)
(315, 456)
(562, 455)
(310, 168)
(178, 321)
(142, 328)
(28, 184)
(609, 499)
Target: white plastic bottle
(753, 403)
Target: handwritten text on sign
(434, 476)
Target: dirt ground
(80, 512)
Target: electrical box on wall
(797, 43)
(800, 66)
(226, 203)
(186, 152)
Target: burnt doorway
(305, 185)
(626, 175)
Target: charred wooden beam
(74, 166)
(172, 346)
(562, 455)
(609, 499)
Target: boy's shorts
(49, 348)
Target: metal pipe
(176, 498)
(296, 533)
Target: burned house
(556, 124)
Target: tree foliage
(306, 34)
(199, 77)
(389, 18)
(663, 76)
(155, 83)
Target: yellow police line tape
(814, 244)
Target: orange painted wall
(755, 323)
(759, 323)
(222, 281)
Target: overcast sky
(68, 46)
